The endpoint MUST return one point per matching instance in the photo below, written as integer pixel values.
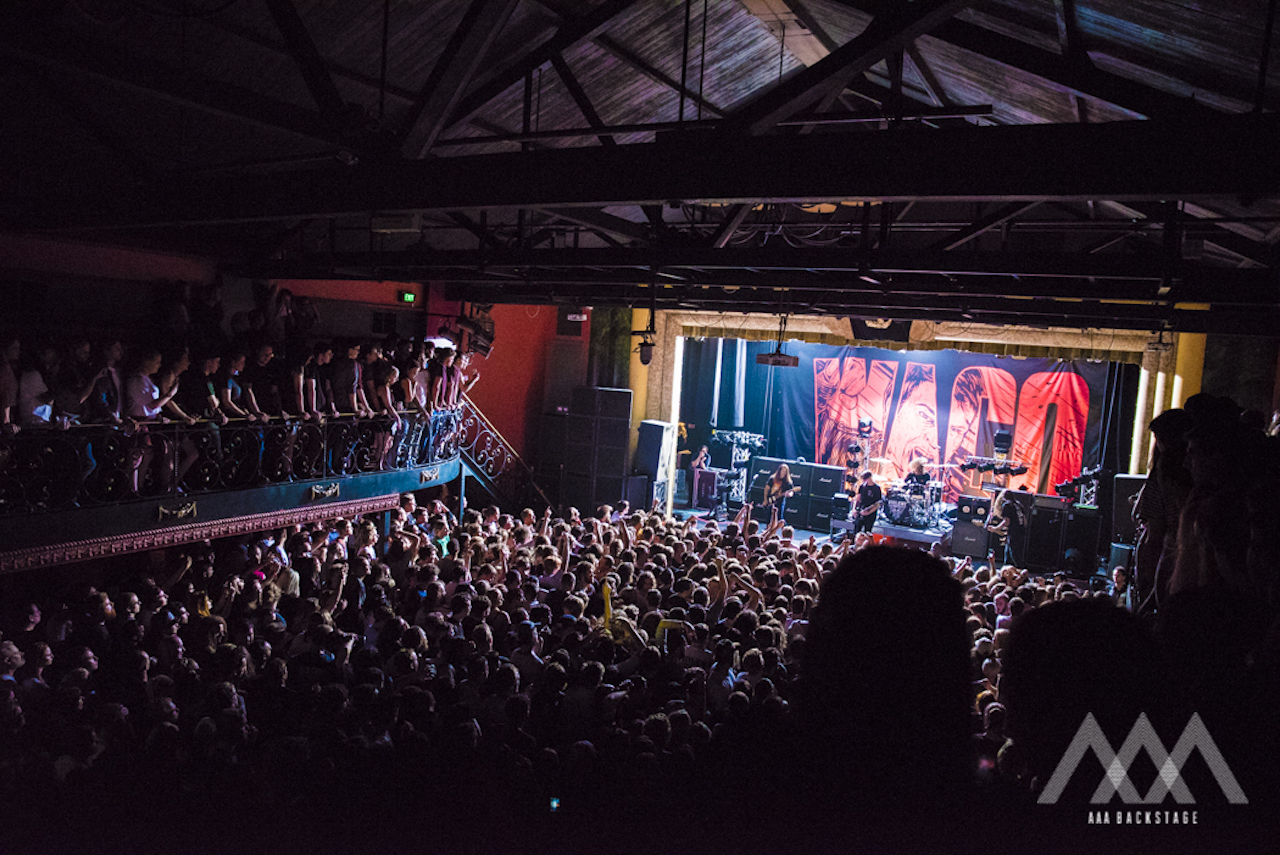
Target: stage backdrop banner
(942, 406)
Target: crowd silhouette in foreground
(626, 680)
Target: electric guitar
(771, 499)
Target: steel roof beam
(309, 61)
(1229, 157)
(885, 35)
(453, 70)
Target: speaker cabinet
(800, 473)
(1126, 488)
(636, 491)
(761, 469)
(610, 462)
(968, 539)
(614, 433)
(1121, 556)
(655, 449)
(1081, 531)
(840, 506)
(1044, 539)
(601, 401)
(824, 481)
(579, 459)
(819, 514)
(578, 492)
(970, 508)
(796, 514)
(551, 441)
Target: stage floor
(882, 532)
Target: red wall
(513, 377)
(378, 293)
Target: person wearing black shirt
(779, 489)
(917, 480)
(869, 498)
(1009, 522)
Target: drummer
(917, 480)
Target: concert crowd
(496, 675)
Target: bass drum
(897, 508)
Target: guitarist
(869, 498)
(1008, 521)
(779, 489)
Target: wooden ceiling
(1045, 162)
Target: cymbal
(943, 465)
(879, 460)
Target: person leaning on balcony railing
(459, 382)
(294, 389)
(76, 379)
(317, 380)
(145, 402)
(442, 379)
(35, 385)
(198, 389)
(370, 356)
(105, 405)
(261, 392)
(10, 351)
(231, 396)
(384, 376)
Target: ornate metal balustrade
(43, 470)
(488, 452)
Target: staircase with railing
(492, 460)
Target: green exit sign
(406, 296)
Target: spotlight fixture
(864, 427)
(646, 349)
(986, 467)
(1018, 470)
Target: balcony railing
(44, 470)
(491, 457)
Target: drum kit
(914, 505)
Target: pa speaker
(636, 492)
(1044, 539)
(969, 540)
(655, 449)
(1123, 499)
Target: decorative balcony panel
(69, 495)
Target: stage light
(864, 427)
(1002, 441)
(1018, 470)
(986, 467)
